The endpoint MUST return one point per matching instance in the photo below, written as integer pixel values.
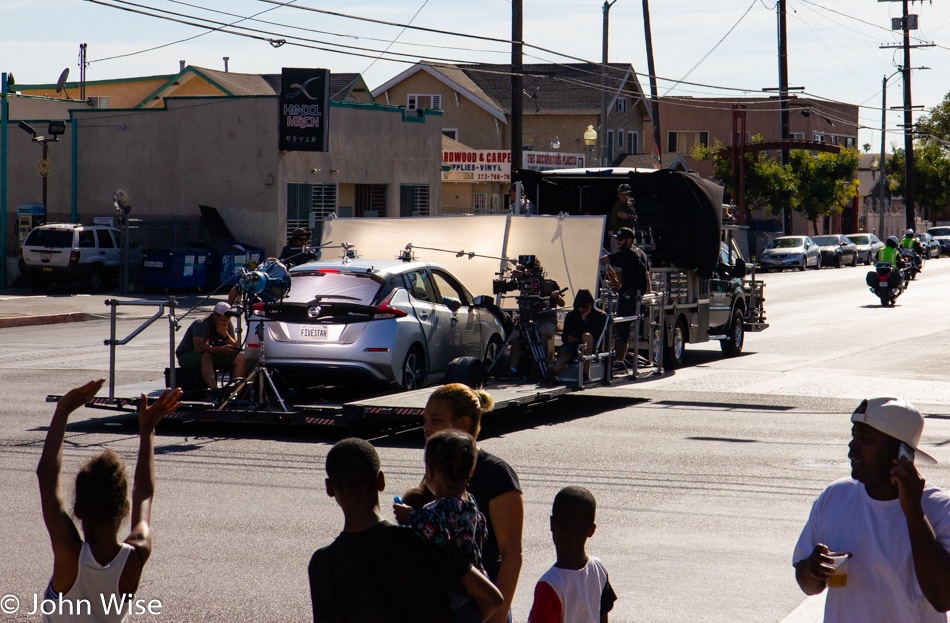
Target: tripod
(259, 378)
(526, 331)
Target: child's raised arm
(143, 486)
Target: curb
(26, 321)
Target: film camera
(534, 291)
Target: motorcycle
(914, 262)
(885, 283)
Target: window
(419, 286)
(684, 142)
(621, 104)
(633, 142)
(101, 101)
(449, 287)
(620, 140)
(452, 133)
(87, 239)
(105, 239)
(370, 200)
(610, 145)
(416, 101)
(308, 205)
(797, 136)
(413, 200)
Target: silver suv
(71, 252)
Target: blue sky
(833, 44)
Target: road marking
(812, 610)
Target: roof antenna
(226, 58)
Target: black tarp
(682, 210)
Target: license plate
(47, 269)
(314, 333)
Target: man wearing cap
(896, 528)
(583, 325)
(621, 212)
(634, 283)
(209, 344)
(298, 240)
(526, 206)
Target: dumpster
(165, 269)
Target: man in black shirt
(377, 571)
(635, 282)
(583, 326)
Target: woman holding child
(494, 485)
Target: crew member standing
(526, 206)
(635, 282)
(621, 214)
(296, 245)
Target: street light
(556, 143)
(590, 139)
(54, 131)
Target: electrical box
(29, 215)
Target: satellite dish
(61, 83)
(122, 202)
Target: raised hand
(151, 415)
(79, 396)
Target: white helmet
(909, 232)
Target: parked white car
(71, 252)
(790, 252)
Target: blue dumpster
(165, 269)
(227, 259)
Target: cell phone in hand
(906, 452)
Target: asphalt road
(703, 478)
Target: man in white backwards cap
(894, 526)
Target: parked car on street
(373, 322)
(929, 243)
(837, 250)
(71, 252)
(942, 236)
(867, 244)
(790, 252)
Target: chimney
(181, 66)
(226, 63)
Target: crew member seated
(209, 344)
(296, 245)
(583, 326)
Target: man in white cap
(896, 529)
(210, 344)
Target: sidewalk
(21, 307)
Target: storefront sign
(547, 160)
(303, 102)
(480, 165)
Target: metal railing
(112, 342)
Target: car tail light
(328, 270)
(257, 309)
(21, 253)
(385, 311)
(74, 257)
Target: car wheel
(94, 280)
(673, 353)
(492, 351)
(732, 345)
(854, 260)
(38, 285)
(867, 260)
(804, 264)
(413, 369)
(838, 261)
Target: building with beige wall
(222, 151)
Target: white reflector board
(568, 247)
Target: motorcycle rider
(890, 254)
(912, 250)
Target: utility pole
(604, 147)
(517, 86)
(906, 23)
(783, 95)
(883, 180)
(655, 106)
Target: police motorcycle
(913, 254)
(886, 282)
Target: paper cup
(839, 560)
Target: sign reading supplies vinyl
(304, 99)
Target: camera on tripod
(527, 277)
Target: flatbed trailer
(389, 409)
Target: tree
(935, 127)
(768, 185)
(826, 182)
(931, 177)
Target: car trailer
(395, 408)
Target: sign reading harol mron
(304, 99)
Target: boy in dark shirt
(583, 326)
(377, 571)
